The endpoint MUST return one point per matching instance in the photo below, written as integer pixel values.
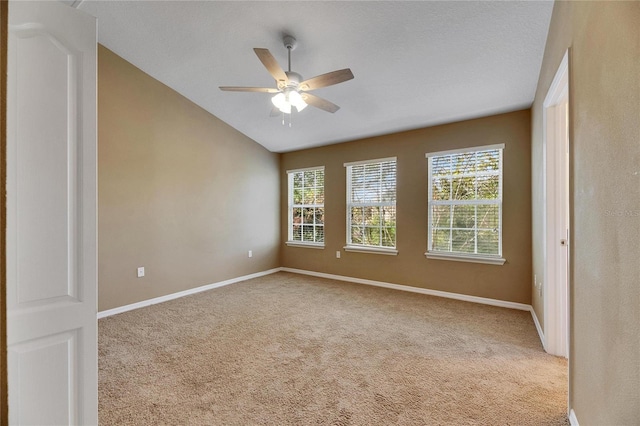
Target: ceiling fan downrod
(290, 43)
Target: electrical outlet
(338, 254)
(141, 272)
(250, 253)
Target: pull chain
(283, 119)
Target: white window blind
(465, 202)
(306, 205)
(371, 203)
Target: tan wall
(180, 192)
(509, 282)
(604, 73)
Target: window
(371, 206)
(306, 207)
(465, 205)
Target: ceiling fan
(291, 90)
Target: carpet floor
(288, 349)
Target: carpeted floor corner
(287, 349)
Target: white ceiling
(416, 64)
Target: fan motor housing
(294, 77)
(294, 80)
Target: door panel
(45, 224)
(49, 359)
(51, 215)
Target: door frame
(556, 151)
(4, 32)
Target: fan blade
(328, 79)
(248, 89)
(271, 64)
(318, 102)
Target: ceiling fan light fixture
(280, 101)
(296, 100)
(284, 101)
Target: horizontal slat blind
(371, 199)
(306, 205)
(465, 202)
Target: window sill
(466, 258)
(374, 250)
(305, 245)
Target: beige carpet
(288, 349)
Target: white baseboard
(437, 293)
(457, 296)
(573, 420)
(179, 294)
(538, 327)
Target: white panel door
(51, 215)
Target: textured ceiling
(416, 64)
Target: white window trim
(467, 257)
(491, 260)
(375, 160)
(305, 169)
(371, 249)
(362, 248)
(465, 150)
(290, 241)
(305, 244)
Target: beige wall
(511, 282)
(604, 73)
(180, 192)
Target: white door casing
(556, 217)
(51, 215)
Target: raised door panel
(39, 372)
(45, 125)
